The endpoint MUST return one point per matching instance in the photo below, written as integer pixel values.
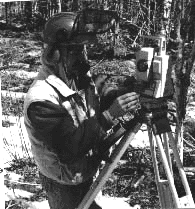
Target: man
(62, 115)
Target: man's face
(76, 60)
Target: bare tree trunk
(6, 12)
(121, 8)
(28, 14)
(35, 6)
(167, 16)
(149, 13)
(49, 8)
(180, 81)
(22, 8)
(96, 3)
(43, 8)
(59, 6)
(75, 5)
(10, 15)
(2, 194)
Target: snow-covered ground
(16, 136)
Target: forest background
(21, 25)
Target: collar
(57, 83)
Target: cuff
(107, 120)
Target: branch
(190, 145)
(190, 136)
(22, 183)
(10, 206)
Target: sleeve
(45, 116)
(54, 121)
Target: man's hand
(124, 104)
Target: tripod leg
(168, 172)
(153, 154)
(165, 196)
(180, 166)
(155, 163)
(108, 168)
(167, 150)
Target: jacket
(64, 128)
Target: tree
(6, 12)
(2, 194)
(28, 13)
(184, 17)
(75, 5)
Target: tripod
(159, 132)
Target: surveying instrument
(152, 73)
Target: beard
(79, 74)
(80, 68)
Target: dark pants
(65, 196)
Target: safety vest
(48, 87)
